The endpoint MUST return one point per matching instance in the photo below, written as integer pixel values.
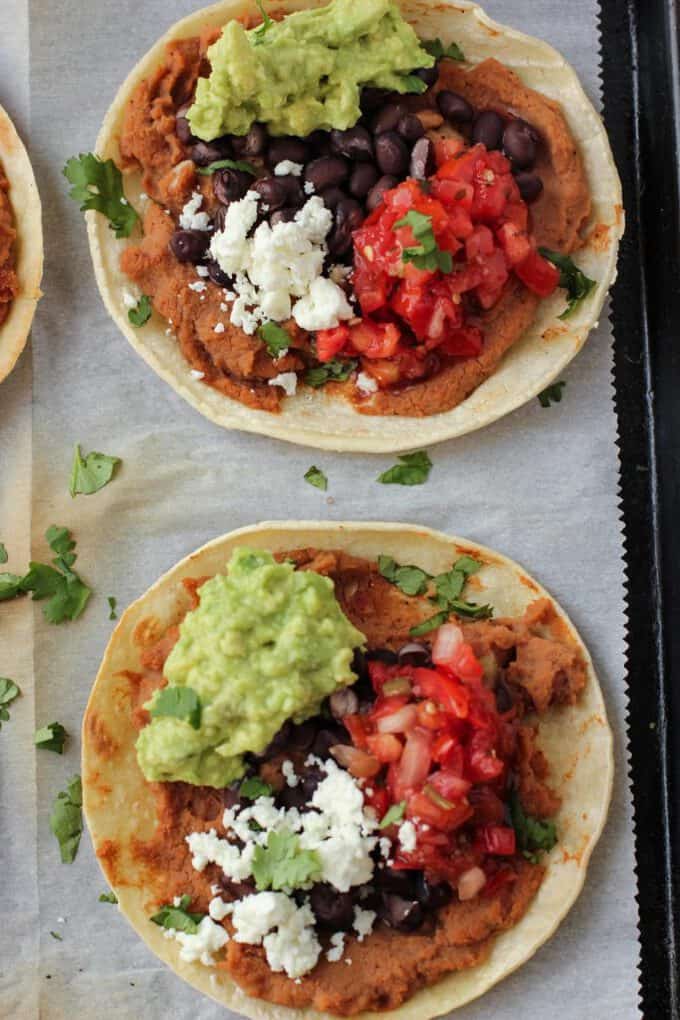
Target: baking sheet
(541, 486)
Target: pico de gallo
(431, 258)
(435, 750)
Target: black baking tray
(641, 79)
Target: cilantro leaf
(281, 864)
(227, 164)
(394, 814)
(67, 594)
(437, 49)
(51, 737)
(449, 586)
(551, 394)
(254, 787)
(432, 623)
(113, 615)
(413, 470)
(98, 184)
(141, 313)
(10, 586)
(3, 553)
(411, 83)
(178, 917)
(60, 542)
(57, 936)
(91, 473)
(471, 610)
(108, 897)
(276, 339)
(330, 371)
(409, 579)
(179, 702)
(425, 254)
(8, 692)
(533, 835)
(467, 565)
(66, 820)
(316, 477)
(577, 285)
(259, 32)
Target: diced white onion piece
(448, 638)
(398, 722)
(470, 883)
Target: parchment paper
(540, 486)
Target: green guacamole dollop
(267, 643)
(306, 71)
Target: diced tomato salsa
(446, 754)
(479, 223)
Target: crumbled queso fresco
(278, 271)
(341, 832)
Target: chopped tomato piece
(539, 275)
(451, 695)
(487, 805)
(449, 784)
(497, 879)
(464, 342)
(447, 148)
(430, 716)
(358, 763)
(448, 752)
(330, 342)
(356, 727)
(378, 799)
(496, 839)
(385, 747)
(400, 721)
(434, 810)
(375, 339)
(479, 243)
(514, 242)
(483, 765)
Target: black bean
(355, 143)
(375, 195)
(388, 118)
(520, 143)
(422, 164)
(391, 153)
(395, 880)
(405, 915)
(385, 655)
(320, 142)
(238, 889)
(454, 107)
(229, 185)
(189, 245)
(432, 895)
(326, 738)
(288, 148)
(252, 144)
(295, 196)
(220, 217)
(428, 74)
(362, 179)
(182, 127)
(530, 185)
(326, 172)
(373, 98)
(487, 129)
(348, 217)
(273, 191)
(332, 197)
(410, 127)
(204, 153)
(311, 777)
(414, 654)
(301, 735)
(332, 909)
(217, 275)
(286, 215)
(344, 702)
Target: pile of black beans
(350, 170)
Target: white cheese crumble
(202, 270)
(129, 299)
(287, 166)
(218, 909)
(286, 931)
(288, 770)
(363, 922)
(407, 836)
(219, 327)
(190, 218)
(278, 270)
(334, 955)
(195, 374)
(308, 188)
(202, 946)
(366, 383)
(198, 286)
(288, 382)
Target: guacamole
(267, 643)
(306, 71)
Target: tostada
(345, 769)
(356, 226)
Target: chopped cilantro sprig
(8, 692)
(316, 477)
(577, 285)
(66, 593)
(51, 738)
(283, 864)
(414, 469)
(141, 313)
(330, 371)
(66, 820)
(276, 338)
(178, 917)
(437, 49)
(534, 835)
(447, 589)
(551, 394)
(91, 473)
(425, 254)
(180, 703)
(98, 184)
